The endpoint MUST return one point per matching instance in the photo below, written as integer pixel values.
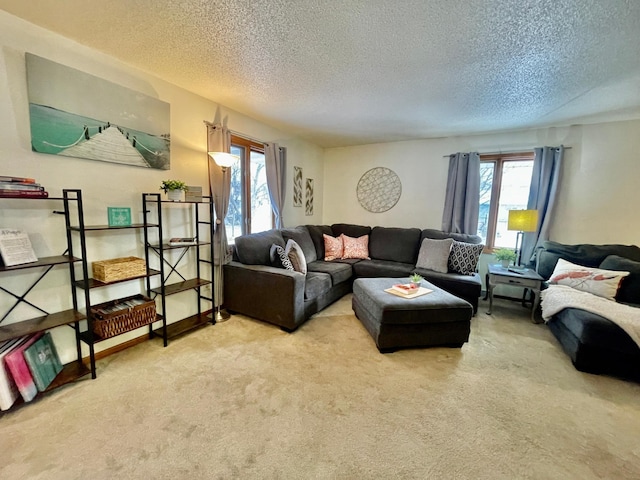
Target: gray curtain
(543, 193)
(462, 200)
(275, 159)
(219, 140)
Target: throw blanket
(558, 297)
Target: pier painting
(79, 115)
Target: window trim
(499, 160)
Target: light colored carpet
(243, 399)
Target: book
(15, 247)
(43, 361)
(8, 390)
(405, 288)
(23, 193)
(421, 291)
(119, 216)
(20, 372)
(182, 241)
(4, 178)
(21, 186)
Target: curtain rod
(237, 134)
(501, 152)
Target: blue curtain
(462, 200)
(543, 193)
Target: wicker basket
(119, 269)
(109, 319)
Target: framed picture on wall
(297, 186)
(309, 197)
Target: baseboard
(117, 348)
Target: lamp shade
(523, 220)
(224, 159)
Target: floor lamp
(224, 161)
(522, 221)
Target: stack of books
(405, 288)
(28, 365)
(19, 187)
(182, 241)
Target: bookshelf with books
(19, 329)
(169, 252)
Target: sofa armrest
(274, 295)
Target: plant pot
(505, 263)
(414, 284)
(174, 195)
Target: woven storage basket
(118, 269)
(109, 321)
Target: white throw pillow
(434, 254)
(296, 256)
(604, 283)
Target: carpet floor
(242, 399)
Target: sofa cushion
(394, 244)
(597, 281)
(316, 233)
(316, 283)
(279, 258)
(464, 257)
(296, 256)
(629, 291)
(333, 247)
(440, 235)
(382, 268)
(302, 237)
(434, 254)
(355, 247)
(254, 249)
(350, 230)
(339, 272)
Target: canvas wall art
(75, 114)
(297, 186)
(309, 197)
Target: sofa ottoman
(436, 319)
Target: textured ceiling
(363, 71)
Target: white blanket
(558, 297)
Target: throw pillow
(279, 257)
(434, 254)
(355, 247)
(629, 291)
(464, 257)
(597, 281)
(332, 247)
(296, 256)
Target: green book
(43, 361)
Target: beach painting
(79, 115)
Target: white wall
(106, 184)
(599, 187)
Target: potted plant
(505, 256)
(415, 280)
(173, 189)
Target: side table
(527, 278)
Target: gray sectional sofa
(253, 287)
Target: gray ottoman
(435, 319)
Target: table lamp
(522, 221)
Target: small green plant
(168, 185)
(415, 278)
(505, 254)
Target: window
(249, 204)
(504, 185)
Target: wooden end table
(526, 278)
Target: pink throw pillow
(332, 247)
(355, 247)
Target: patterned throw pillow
(464, 257)
(355, 247)
(279, 257)
(332, 247)
(434, 254)
(603, 283)
(296, 256)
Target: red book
(19, 369)
(23, 193)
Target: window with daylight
(504, 185)
(249, 204)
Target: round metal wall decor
(379, 189)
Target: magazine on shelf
(182, 241)
(15, 247)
